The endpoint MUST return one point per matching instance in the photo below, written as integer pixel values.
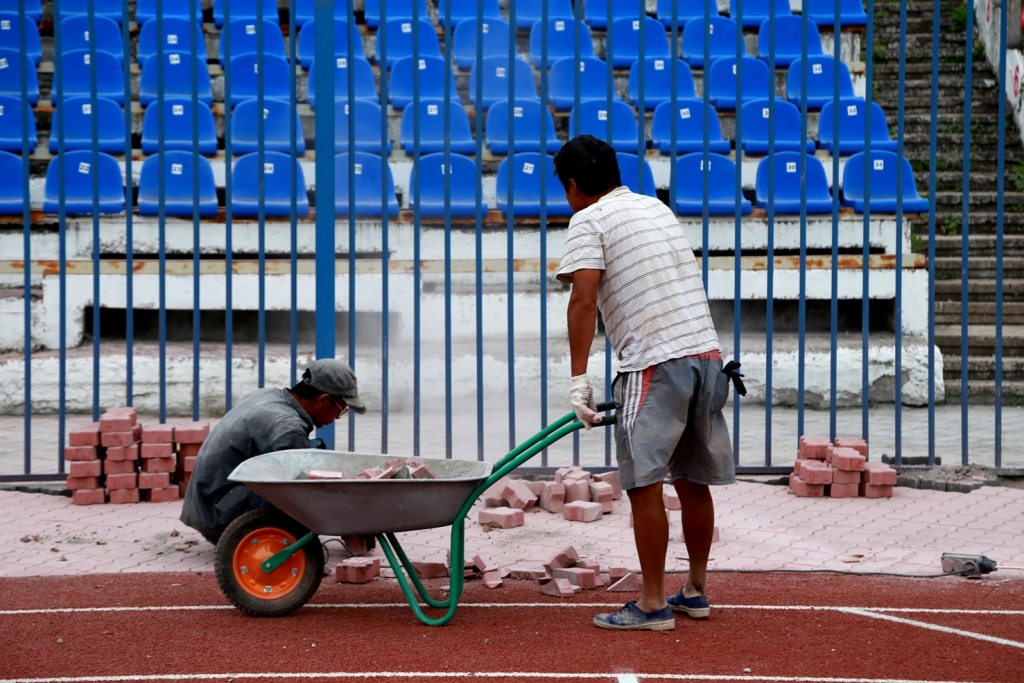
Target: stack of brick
(120, 435)
(84, 455)
(188, 438)
(158, 464)
(839, 469)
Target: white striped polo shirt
(651, 296)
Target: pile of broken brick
(839, 469)
(562, 576)
(119, 460)
(396, 468)
(576, 494)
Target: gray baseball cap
(336, 379)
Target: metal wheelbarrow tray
(269, 562)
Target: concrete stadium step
(979, 313)
(979, 267)
(981, 339)
(1013, 202)
(983, 393)
(951, 181)
(979, 290)
(979, 245)
(982, 368)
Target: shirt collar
(298, 407)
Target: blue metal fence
(328, 277)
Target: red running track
(359, 633)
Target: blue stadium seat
(526, 180)
(306, 48)
(178, 186)
(657, 74)
(367, 121)
(176, 38)
(628, 170)
(529, 12)
(245, 82)
(756, 11)
(721, 174)
(432, 131)
(464, 10)
(624, 48)
(10, 76)
(883, 184)
(11, 120)
(399, 39)
(756, 124)
(685, 10)
(243, 9)
(33, 8)
(757, 83)
(787, 184)
(10, 36)
(433, 71)
(788, 40)
(244, 38)
(688, 115)
(76, 76)
(462, 193)
(526, 119)
(561, 40)
(464, 42)
(595, 12)
(396, 9)
(593, 83)
(820, 88)
(78, 125)
(178, 127)
(852, 115)
(593, 120)
(823, 13)
(77, 188)
(146, 10)
(12, 201)
(362, 75)
(74, 35)
(101, 8)
(495, 81)
(277, 195)
(177, 79)
(368, 190)
(304, 14)
(722, 32)
(276, 128)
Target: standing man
(627, 257)
(265, 421)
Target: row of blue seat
(778, 183)
(595, 12)
(522, 124)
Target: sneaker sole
(698, 613)
(653, 626)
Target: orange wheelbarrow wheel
(251, 539)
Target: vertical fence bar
(865, 269)
(802, 306)
(417, 274)
(578, 12)
(705, 160)
(834, 299)
(1000, 200)
(478, 122)
(610, 96)
(965, 234)
(737, 302)
(510, 227)
(323, 18)
(229, 315)
(933, 129)
(770, 293)
(261, 210)
(385, 350)
(900, 112)
(293, 134)
(447, 170)
(544, 170)
(58, 79)
(194, 78)
(26, 217)
(161, 127)
(351, 170)
(94, 133)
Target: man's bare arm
(582, 317)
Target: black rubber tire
(224, 569)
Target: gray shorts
(671, 423)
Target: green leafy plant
(1016, 177)
(950, 226)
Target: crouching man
(265, 421)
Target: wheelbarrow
(270, 562)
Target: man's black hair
(591, 163)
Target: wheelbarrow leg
(386, 541)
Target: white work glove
(582, 399)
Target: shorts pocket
(721, 391)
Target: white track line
(526, 675)
(933, 627)
(530, 605)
